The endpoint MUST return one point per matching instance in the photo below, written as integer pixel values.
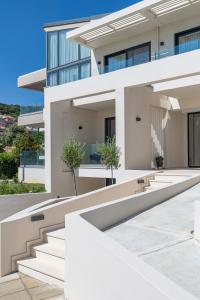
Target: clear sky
(22, 43)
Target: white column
(120, 123)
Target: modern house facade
(134, 74)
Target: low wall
(18, 232)
(99, 268)
(11, 204)
(31, 174)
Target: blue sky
(22, 46)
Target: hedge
(8, 165)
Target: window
(66, 60)
(129, 57)
(187, 40)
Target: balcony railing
(32, 158)
(142, 58)
(93, 155)
(28, 109)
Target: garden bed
(7, 188)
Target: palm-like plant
(110, 155)
(73, 153)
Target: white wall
(99, 268)
(31, 174)
(138, 135)
(63, 121)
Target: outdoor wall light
(80, 127)
(99, 62)
(162, 43)
(138, 119)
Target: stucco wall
(138, 137)
(65, 122)
(31, 174)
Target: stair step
(59, 234)
(43, 271)
(49, 253)
(56, 238)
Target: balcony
(32, 158)
(31, 115)
(34, 81)
(142, 58)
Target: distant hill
(9, 109)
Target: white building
(134, 74)
(138, 79)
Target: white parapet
(197, 220)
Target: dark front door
(109, 128)
(109, 134)
(194, 139)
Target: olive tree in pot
(110, 155)
(73, 153)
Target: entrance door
(109, 134)
(194, 139)
(109, 128)
(158, 120)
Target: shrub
(8, 165)
(20, 188)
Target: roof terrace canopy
(142, 16)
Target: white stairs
(47, 261)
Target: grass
(20, 188)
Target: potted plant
(159, 161)
(73, 153)
(110, 155)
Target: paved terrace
(20, 287)
(162, 237)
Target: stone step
(56, 238)
(49, 253)
(43, 270)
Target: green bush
(20, 188)
(8, 165)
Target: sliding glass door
(187, 41)
(194, 139)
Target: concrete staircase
(47, 261)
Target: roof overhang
(141, 17)
(34, 81)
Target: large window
(187, 40)
(66, 60)
(129, 57)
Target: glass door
(109, 128)
(187, 41)
(194, 139)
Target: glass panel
(138, 55)
(68, 50)
(52, 55)
(84, 52)
(68, 75)
(189, 42)
(116, 62)
(52, 79)
(194, 139)
(85, 70)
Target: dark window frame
(125, 51)
(79, 62)
(188, 138)
(182, 33)
(107, 120)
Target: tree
(110, 155)
(26, 142)
(73, 153)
